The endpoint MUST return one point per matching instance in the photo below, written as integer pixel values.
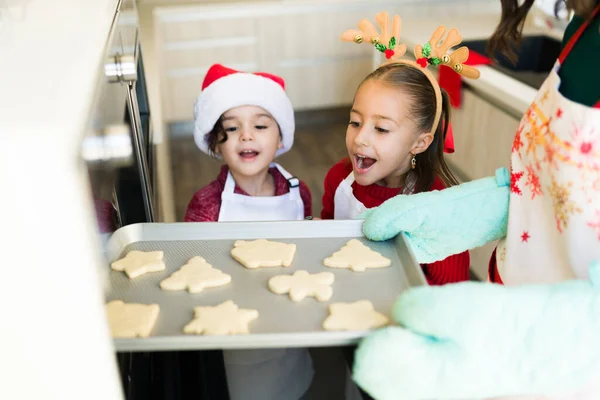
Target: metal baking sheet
(281, 322)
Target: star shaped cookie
(129, 320)
(356, 256)
(263, 253)
(195, 276)
(137, 263)
(357, 316)
(225, 319)
(302, 284)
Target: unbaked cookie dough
(195, 276)
(129, 320)
(263, 253)
(225, 319)
(302, 284)
(137, 263)
(356, 256)
(357, 316)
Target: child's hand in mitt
(479, 340)
(441, 223)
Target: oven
(118, 148)
(120, 158)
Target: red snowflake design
(514, 178)
(533, 182)
(559, 113)
(586, 147)
(596, 225)
(525, 237)
(518, 143)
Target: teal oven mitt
(441, 223)
(481, 340)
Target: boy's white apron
(291, 369)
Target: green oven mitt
(441, 223)
(476, 340)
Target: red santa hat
(225, 88)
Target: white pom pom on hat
(225, 88)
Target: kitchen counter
(506, 92)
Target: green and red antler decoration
(427, 59)
(389, 50)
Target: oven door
(119, 149)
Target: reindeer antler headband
(434, 52)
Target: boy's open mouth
(363, 163)
(249, 154)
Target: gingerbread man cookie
(302, 284)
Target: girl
(247, 120)
(394, 148)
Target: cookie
(357, 316)
(195, 276)
(263, 253)
(302, 284)
(129, 320)
(137, 263)
(356, 256)
(225, 319)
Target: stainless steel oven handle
(134, 114)
(123, 69)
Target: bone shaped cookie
(195, 276)
(225, 319)
(357, 316)
(302, 284)
(137, 263)
(357, 257)
(128, 320)
(263, 253)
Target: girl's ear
(422, 143)
(280, 143)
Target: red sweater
(453, 269)
(206, 203)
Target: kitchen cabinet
(299, 40)
(304, 48)
(483, 137)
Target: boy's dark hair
(430, 163)
(509, 31)
(217, 135)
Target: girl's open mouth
(363, 163)
(249, 155)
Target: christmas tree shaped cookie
(225, 319)
(129, 320)
(263, 253)
(195, 276)
(356, 256)
(302, 284)
(137, 263)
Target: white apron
(239, 207)
(346, 206)
(289, 371)
(554, 215)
